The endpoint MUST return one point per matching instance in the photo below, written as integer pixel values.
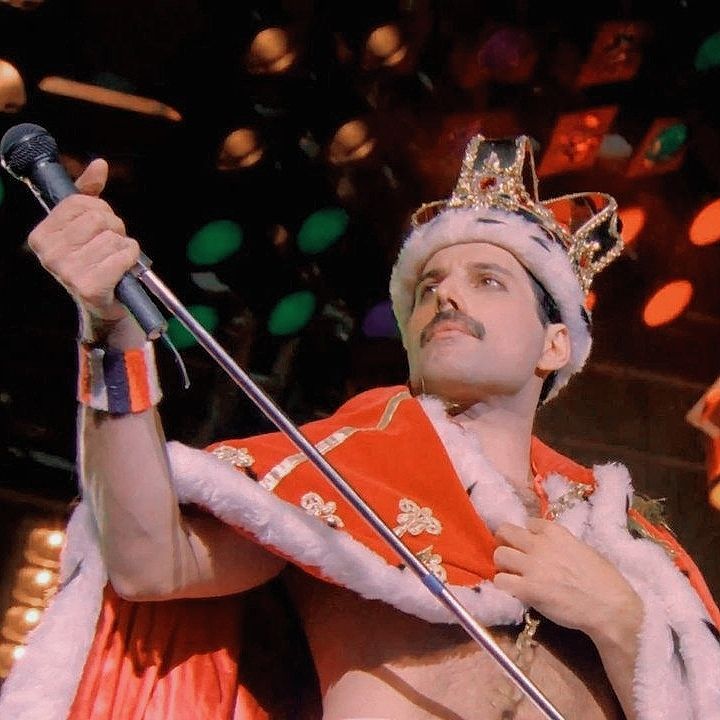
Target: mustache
(471, 326)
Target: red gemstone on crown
(487, 182)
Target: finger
(512, 584)
(90, 223)
(94, 252)
(514, 536)
(93, 179)
(510, 560)
(96, 287)
(65, 212)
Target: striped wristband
(117, 381)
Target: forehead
(472, 252)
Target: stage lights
(379, 321)
(35, 583)
(352, 142)
(668, 303)
(214, 242)
(385, 47)
(633, 221)
(667, 142)
(576, 140)
(661, 150)
(242, 148)
(322, 229)
(106, 96)
(272, 51)
(708, 54)
(12, 88)
(509, 55)
(616, 53)
(292, 313)
(705, 227)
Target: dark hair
(548, 313)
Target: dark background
(629, 405)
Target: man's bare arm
(150, 549)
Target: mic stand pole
(476, 631)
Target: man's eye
(489, 281)
(426, 289)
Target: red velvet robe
(184, 658)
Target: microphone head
(23, 146)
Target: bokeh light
(379, 321)
(215, 242)
(668, 303)
(705, 227)
(291, 313)
(633, 221)
(708, 54)
(322, 229)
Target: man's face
(474, 331)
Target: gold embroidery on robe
(433, 562)
(313, 504)
(239, 457)
(415, 519)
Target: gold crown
(497, 173)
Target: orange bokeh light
(705, 228)
(633, 221)
(668, 303)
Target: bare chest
(375, 662)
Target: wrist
(621, 624)
(118, 381)
(122, 333)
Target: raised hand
(83, 244)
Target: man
(602, 609)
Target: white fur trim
(43, 682)
(544, 258)
(661, 690)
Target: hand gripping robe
(98, 656)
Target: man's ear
(556, 351)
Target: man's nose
(447, 297)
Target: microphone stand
(474, 629)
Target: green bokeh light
(2, 191)
(292, 313)
(322, 229)
(206, 315)
(214, 242)
(708, 54)
(668, 142)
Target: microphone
(30, 154)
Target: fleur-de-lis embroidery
(432, 561)
(415, 520)
(239, 457)
(313, 504)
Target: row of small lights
(35, 584)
